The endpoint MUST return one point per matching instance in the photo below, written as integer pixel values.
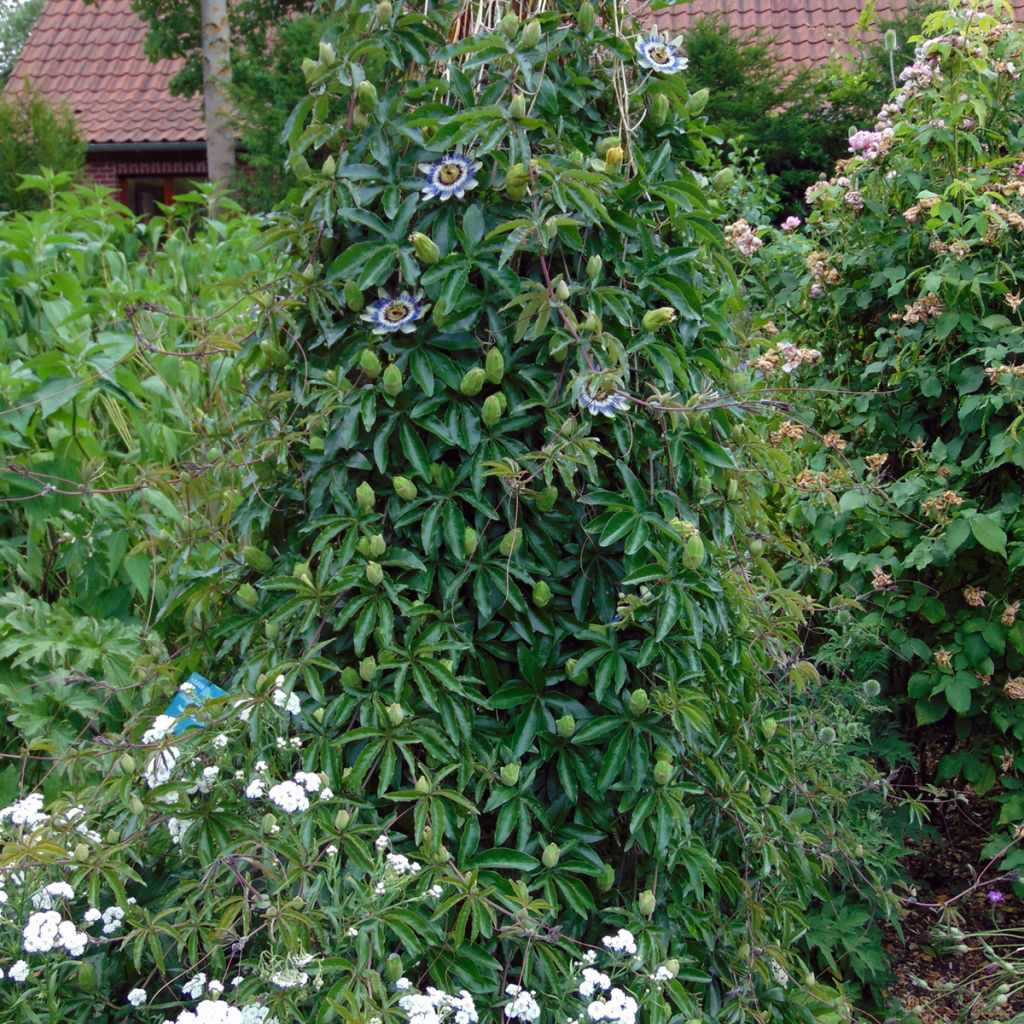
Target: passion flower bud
(565, 726)
(360, 120)
(85, 977)
(511, 542)
(442, 855)
(330, 166)
(517, 175)
(469, 541)
(645, 903)
(517, 108)
(531, 34)
(473, 381)
(768, 728)
(606, 879)
(377, 545)
(366, 97)
(594, 267)
(722, 179)
(127, 763)
(541, 594)
(682, 526)
(422, 786)
(269, 822)
(662, 772)
(369, 363)
(547, 498)
(310, 69)
(396, 714)
(368, 669)
(374, 574)
(491, 412)
(494, 365)
(138, 808)
(391, 382)
(693, 553)
(247, 597)
(660, 108)
(326, 53)
(349, 676)
(404, 488)
(509, 774)
(697, 102)
(592, 324)
(300, 570)
(425, 248)
(549, 858)
(585, 18)
(271, 629)
(256, 559)
(383, 10)
(353, 296)
(341, 820)
(613, 158)
(671, 967)
(655, 319)
(639, 702)
(365, 497)
(510, 24)
(562, 291)
(393, 969)
(605, 144)
(579, 676)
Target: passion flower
(391, 313)
(658, 53)
(450, 176)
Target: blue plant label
(194, 691)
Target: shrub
(502, 677)
(118, 341)
(908, 278)
(34, 135)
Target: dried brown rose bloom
(974, 596)
(943, 658)
(1014, 688)
(880, 579)
(1010, 614)
(834, 441)
(876, 462)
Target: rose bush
(907, 278)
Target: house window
(142, 194)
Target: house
(804, 32)
(140, 140)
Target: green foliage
(908, 276)
(265, 89)
(17, 17)
(114, 352)
(487, 595)
(175, 30)
(767, 108)
(34, 135)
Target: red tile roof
(92, 58)
(804, 31)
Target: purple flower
(995, 896)
(790, 224)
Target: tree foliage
(34, 134)
(17, 18)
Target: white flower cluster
(209, 1011)
(18, 971)
(523, 1006)
(436, 1006)
(401, 865)
(289, 702)
(137, 996)
(289, 797)
(177, 827)
(27, 813)
(618, 1006)
(46, 930)
(621, 942)
(44, 898)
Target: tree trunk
(220, 139)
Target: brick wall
(110, 168)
